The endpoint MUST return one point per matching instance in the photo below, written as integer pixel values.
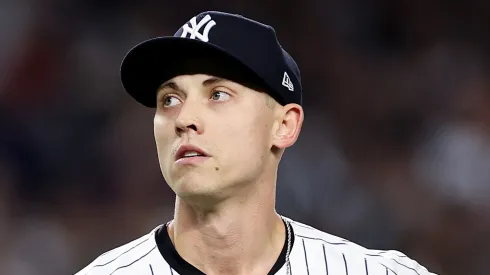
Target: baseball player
(227, 101)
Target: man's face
(231, 125)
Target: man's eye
(170, 101)
(220, 96)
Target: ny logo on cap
(195, 27)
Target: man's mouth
(189, 151)
(190, 154)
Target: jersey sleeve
(403, 265)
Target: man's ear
(290, 118)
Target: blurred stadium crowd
(394, 154)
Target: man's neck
(237, 237)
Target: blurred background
(394, 154)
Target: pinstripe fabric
(314, 253)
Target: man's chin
(190, 187)
(188, 192)
(201, 198)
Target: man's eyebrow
(212, 80)
(170, 85)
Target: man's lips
(191, 160)
(186, 151)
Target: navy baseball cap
(217, 43)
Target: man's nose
(189, 119)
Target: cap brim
(152, 62)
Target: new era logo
(195, 27)
(286, 82)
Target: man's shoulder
(121, 256)
(349, 255)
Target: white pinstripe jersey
(313, 253)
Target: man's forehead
(183, 80)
